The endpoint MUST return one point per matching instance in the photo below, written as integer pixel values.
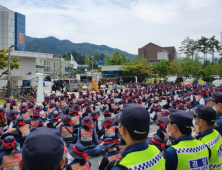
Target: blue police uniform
(218, 125)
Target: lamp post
(9, 71)
(151, 73)
(92, 57)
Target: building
(221, 38)
(154, 53)
(12, 32)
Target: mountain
(55, 46)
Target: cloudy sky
(124, 24)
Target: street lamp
(92, 57)
(9, 70)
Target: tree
(4, 62)
(189, 46)
(162, 68)
(203, 46)
(140, 68)
(214, 45)
(116, 59)
(175, 67)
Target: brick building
(154, 53)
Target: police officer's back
(134, 128)
(204, 118)
(185, 152)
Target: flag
(69, 72)
(73, 62)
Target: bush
(208, 78)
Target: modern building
(221, 37)
(12, 32)
(154, 53)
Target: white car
(215, 76)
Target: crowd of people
(115, 124)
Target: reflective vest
(150, 158)
(192, 155)
(214, 142)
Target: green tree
(116, 59)
(4, 62)
(203, 46)
(175, 66)
(162, 68)
(214, 46)
(140, 68)
(189, 46)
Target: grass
(152, 80)
(2, 101)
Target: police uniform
(185, 152)
(211, 137)
(140, 155)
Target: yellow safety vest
(214, 142)
(150, 158)
(192, 155)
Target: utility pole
(92, 57)
(60, 73)
(9, 71)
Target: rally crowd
(115, 124)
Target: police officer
(134, 128)
(185, 152)
(204, 118)
(216, 99)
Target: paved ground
(93, 160)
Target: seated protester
(180, 106)
(50, 110)
(167, 105)
(110, 146)
(36, 121)
(33, 102)
(3, 118)
(156, 141)
(45, 103)
(87, 136)
(25, 113)
(71, 107)
(96, 124)
(24, 101)
(87, 111)
(43, 149)
(7, 103)
(112, 105)
(75, 119)
(30, 108)
(155, 113)
(14, 105)
(179, 127)
(54, 121)
(117, 113)
(80, 158)
(21, 130)
(96, 107)
(106, 113)
(111, 131)
(67, 129)
(10, 153)
(139, 102)
(11, 118)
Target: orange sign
(75, 120)
(159, 114)
(114, 157)
(77, 166)
(11, 162)
(24, 130)
(26, 115)
(34, 123)
(86, 136)
(66, 133)
(110, 132)
(122, 148)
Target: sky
(123, 24)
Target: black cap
(204, 112)
(216, 96)
(43, 147)
(135, 119)
(179, 117)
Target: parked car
(71, 84)
(189, 81)
(217, 82)
(175, 79)
(215, 77)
